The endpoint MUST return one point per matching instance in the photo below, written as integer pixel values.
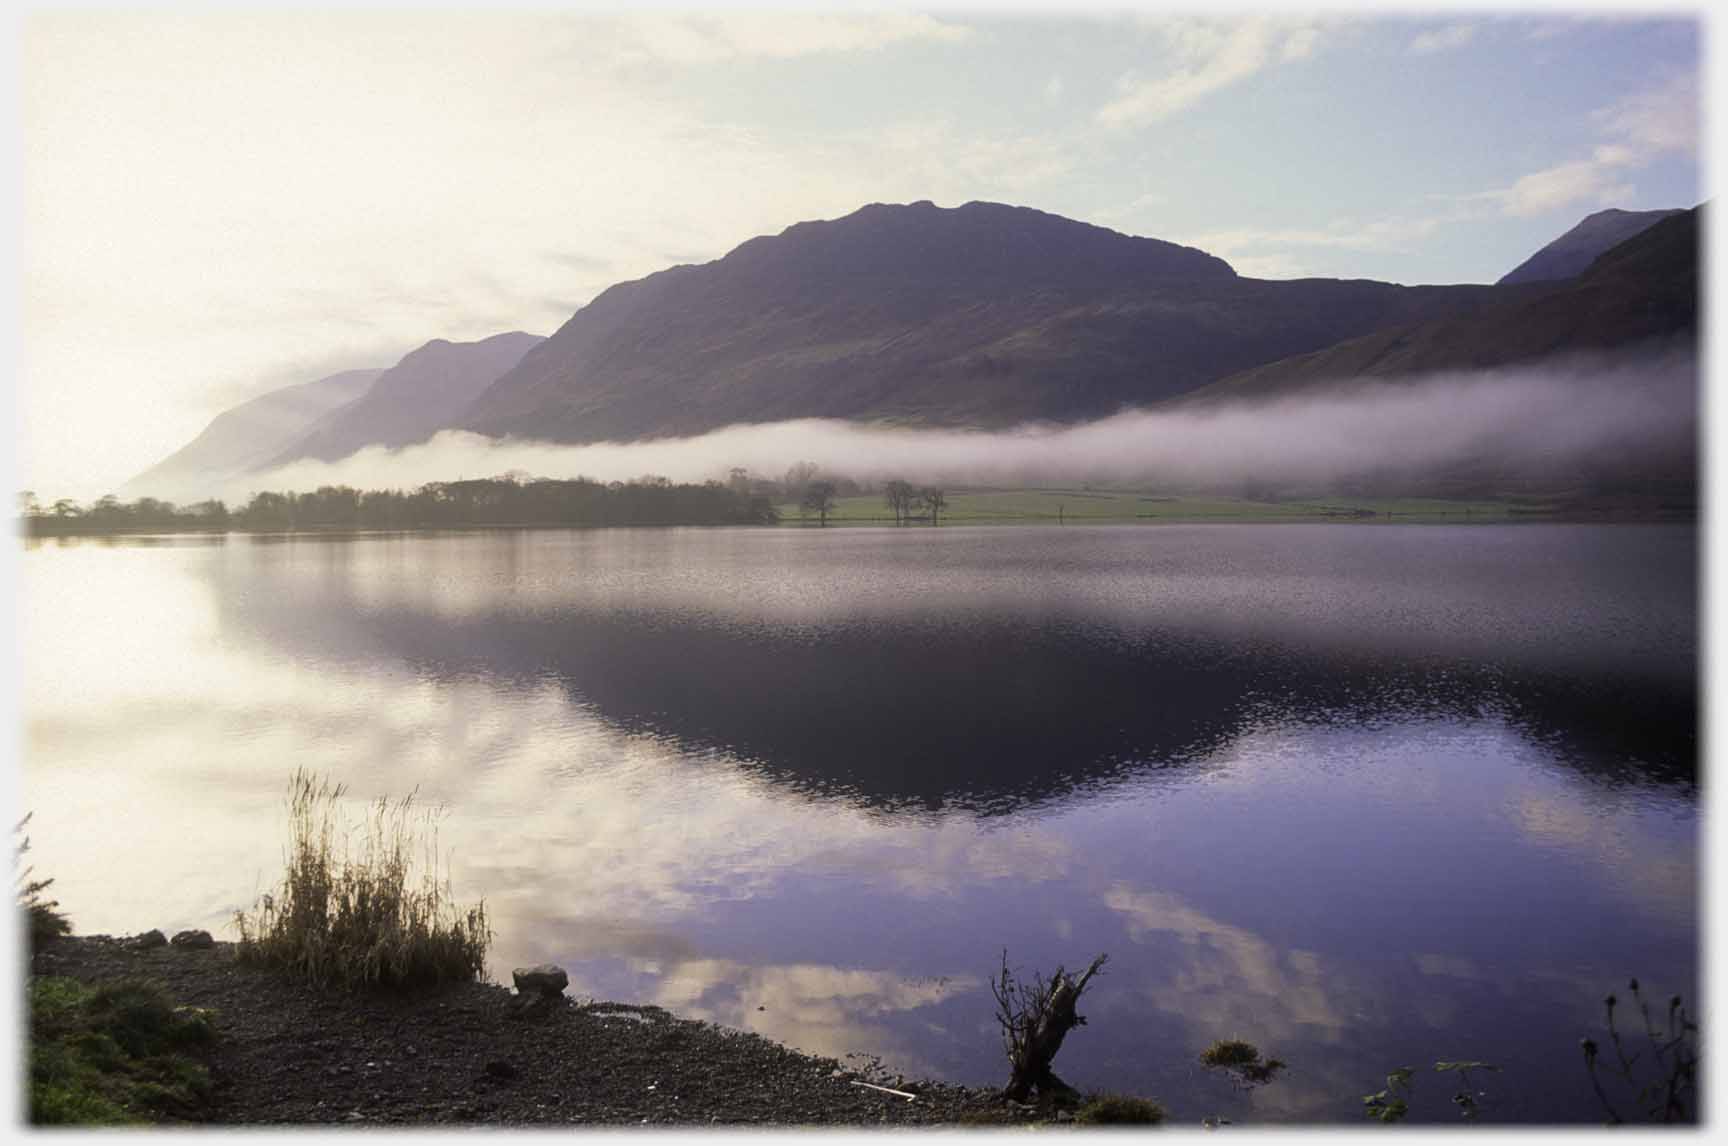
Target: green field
(1050, 506)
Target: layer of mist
(1529, 421)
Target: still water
(1364, 795)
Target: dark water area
(1365, 795)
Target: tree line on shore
(488, 501)
(512, 499)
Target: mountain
(981, 315)
(1643, 291)
(247, 436)
(426, 392)
(1572, 253)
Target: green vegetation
(114, 1054)
(43, 921)
(1393, 1103)
(1242, 1061)
(1079, 506)
(360, 920)
(1119, 1109)
(1665, 1088)
(501, 501)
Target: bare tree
(819, 499)
(937, 501)
(797, 479)
(898, 495)
(1035, 1017)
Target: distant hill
(1572, 253)
(247, 437)
(1643, 290)
(981, 315)
(426, 392)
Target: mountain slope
(424, 393)
(1644, 290)
(981, 315)
(248, 436)
(1572, 253)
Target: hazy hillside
(425, 392)
(1572, 253)
(248, 436)
(1645, 289)
(981, 315)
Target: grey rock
(544, 979)
(193, 940)
(150, 939)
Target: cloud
(1645, 126)
(1560, 412)
(1262, 252)
(1580, 181)
(683, 38)
(1444, 39)
(1202, 57)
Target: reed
(354, 910)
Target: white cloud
(1261, 252)
(1643, 127)
(1201, 57)
(1445, 39)
(1053, 90)
(686, 38)
(1658, 120)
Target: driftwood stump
(1035, 1018)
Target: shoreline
(470, 1054)
(1510, 515)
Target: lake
(1364, 795)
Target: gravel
(470, 1054)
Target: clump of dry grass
(362, 916)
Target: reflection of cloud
(581, 836)
(819, 1009)
(1232, 980)
(1653, 871)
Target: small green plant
(1664, 1089)
(1465, 1098)
(113, 1054)
(357, 917)
(1393, 1103)
(1241, 1060)
(1119, 1109)
(43, 921)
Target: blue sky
(217, 204)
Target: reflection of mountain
(990, 712)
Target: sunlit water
(1366, 796)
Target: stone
(193, 940)
(544, 979)
(151, 938)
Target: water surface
(1365, 795)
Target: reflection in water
(1362, 796)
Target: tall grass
(359, 914)
(43, 921)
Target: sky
(216, 204)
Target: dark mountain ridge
(1572, 253)
(982, 315)
(1642, 292)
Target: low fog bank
(1558, 419)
